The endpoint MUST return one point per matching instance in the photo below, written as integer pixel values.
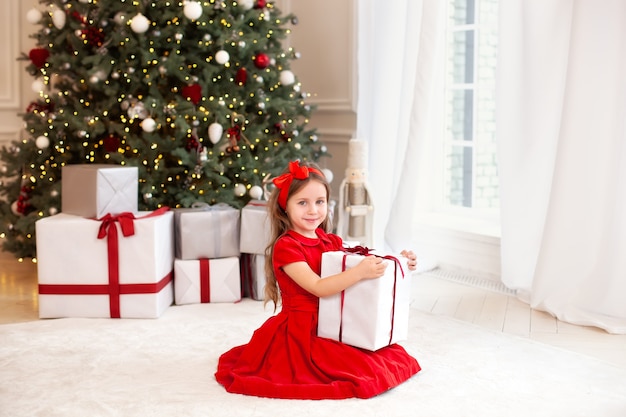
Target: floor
(483, 303)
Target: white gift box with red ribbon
(93, 190)
(205, 231)
(371, 314)
(206, 280)
(255, 228)
(119, 266)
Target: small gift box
(370, 314)
(253, 275)
(93, 190)
(207, 281)
(119, 266)
(255, 228)
(204, 231)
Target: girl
(285, 358)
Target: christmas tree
(198, 95)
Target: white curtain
(562, 157)
(397, 44)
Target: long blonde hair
(280, 223)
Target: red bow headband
(284, 181)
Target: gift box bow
(365, 251)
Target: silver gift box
(207, 231)
(93, 190)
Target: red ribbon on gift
(114, 289)
(205, 281)
(364, 251)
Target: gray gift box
(204, 231)
(255, 228)
(93, 190)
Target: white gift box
(255, 228)
(207, 281)
(375, 312)
(77, 274)
(207, 232)
(253, 275)
(93, 190)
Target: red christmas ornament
(93, 35)
(242, 76)
(39, 56)
(280, 129)
(38, 107)
(23, 206)
(233, 134)
(111, 143)
(192, 144)
(192, 92)
(261, 60)
(260, 4)
(78, 17)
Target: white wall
(15, 90)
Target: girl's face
(307, 208)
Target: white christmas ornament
(204, 154)
(38, 86)
(192, 10)
(246, 4)
(101, 75)
(33, 16)
(120, 18)
(148, 125)
(215, 132)
(53, 211)
(42, 142)
(222, 57)
(328, 174)
(256, 192)
(240, 190)
(14, 209)
(58, 18)
(139, 23)
(287, 77)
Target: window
(457, 223)
(470, 177)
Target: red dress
(286, 359)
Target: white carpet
(164, 367)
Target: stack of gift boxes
(101, 257)
(254, 239)
(206, 268)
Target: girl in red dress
(284, 357)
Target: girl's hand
(412, 259)
(371, 267)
